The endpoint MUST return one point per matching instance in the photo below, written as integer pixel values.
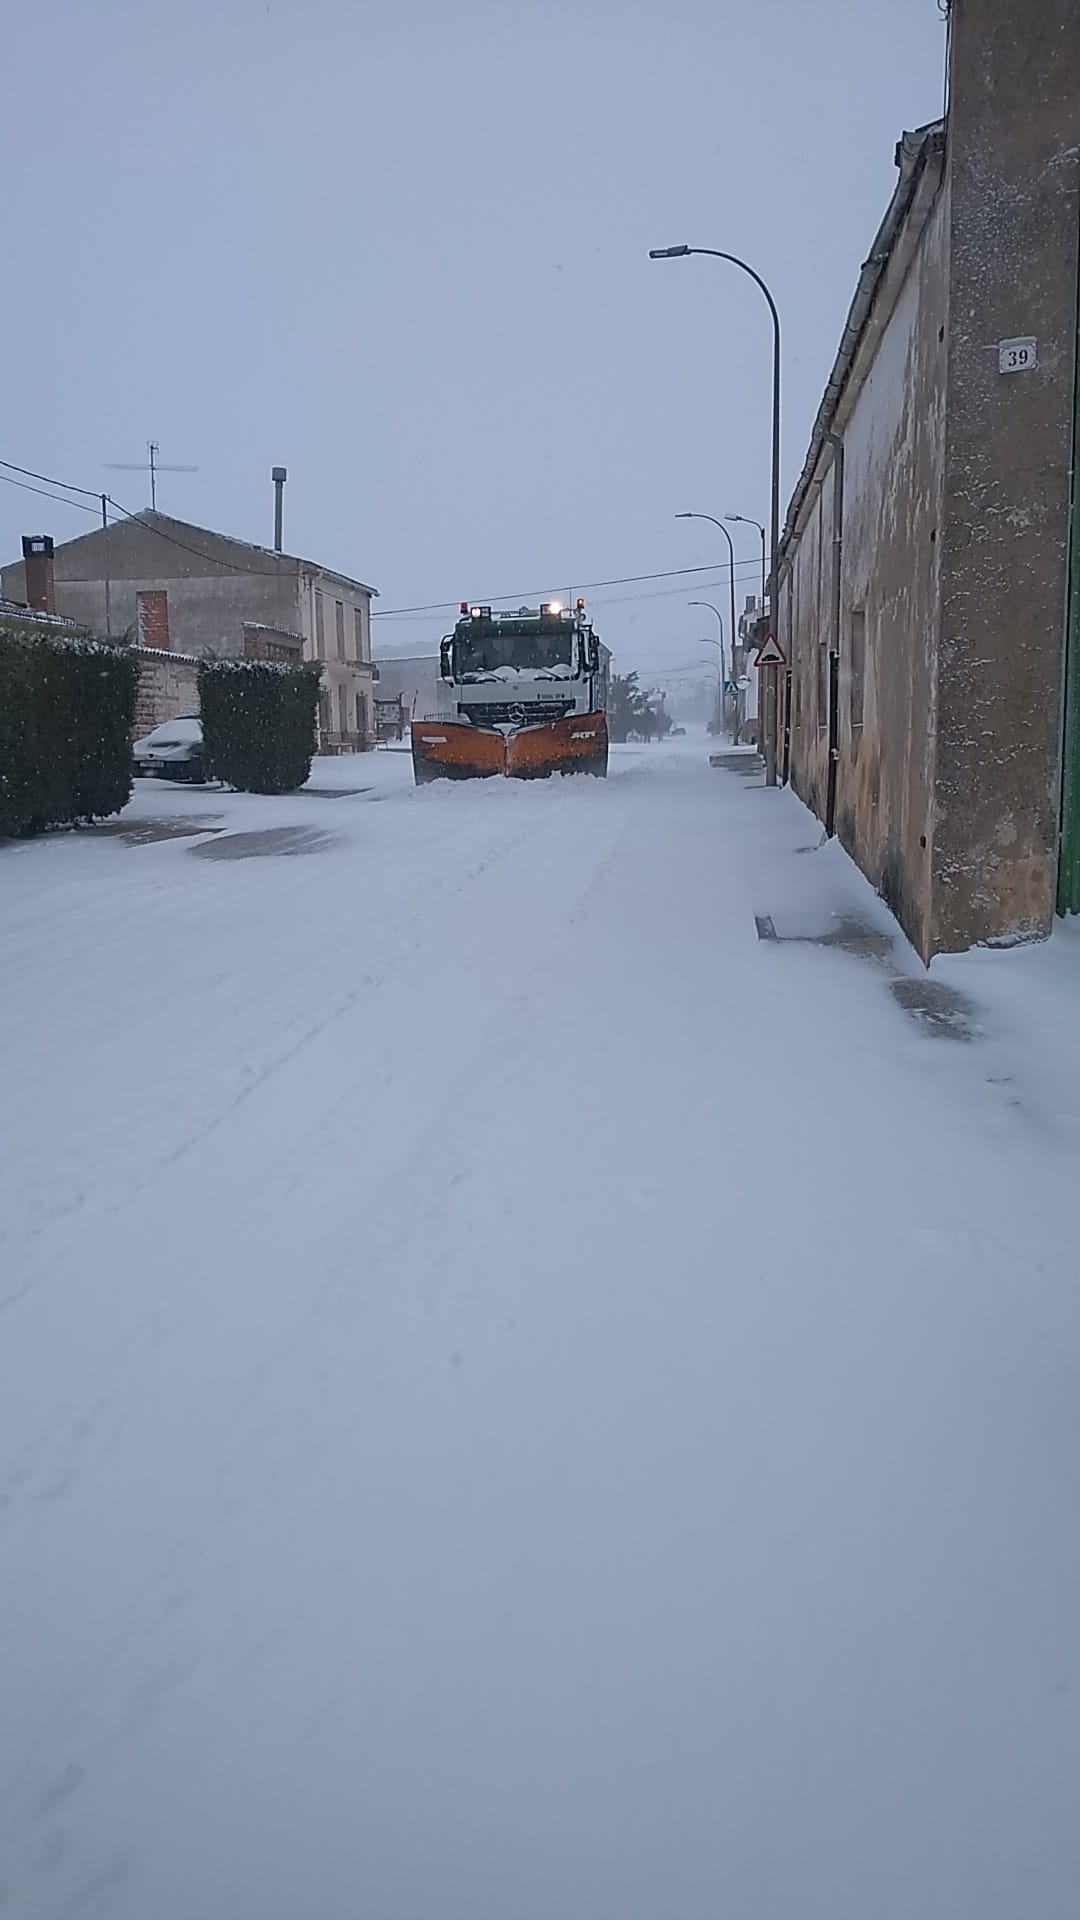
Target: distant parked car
(678, 733)
(174, 751)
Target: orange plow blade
(575, 745)
(445, 750)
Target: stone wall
(168, 688)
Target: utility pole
(108, 582)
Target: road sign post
(769, 659)
(770, 653)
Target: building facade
(178, 588)
(931, 713)
(413, 679)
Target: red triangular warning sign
(770, 653)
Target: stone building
(932, 707)
(180, 589)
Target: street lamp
(719, 672)
(731, 571)
(723, 669)
(714, 253)
(744, 521)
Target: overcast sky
(402, 248)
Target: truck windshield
(484, 650)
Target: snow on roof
(149, 517)
(422, 656)
(915, 153)
(166, 653)
(19, 610)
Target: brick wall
(153, 614)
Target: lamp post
(723, 670)
(714, 253)
(731, 573)
(716, 669)
(744, 521)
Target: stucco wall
(1014, 174)
(956, 499)
(891, 423)
(893, 475)
(211, 592)
(890, 419)
(347, 676)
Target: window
(858, 666)
(358, 629)
(343, 709)
(361, 714)
(320, 627)
(324, 715)
(339, 620)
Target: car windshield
(518, 645)
(176, 733)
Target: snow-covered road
(520, 1400)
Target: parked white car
(174, 751)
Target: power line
(674, 673)
(124, 513)
(46, 495)
(660, 593)
(235, 566)
(586, 586)
(383, 613)
(50, 482)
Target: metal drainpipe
(837, 446)
(785, 772)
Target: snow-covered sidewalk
(518, 1396)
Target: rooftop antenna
(151, 465)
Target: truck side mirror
(594, 654)
(444, 659)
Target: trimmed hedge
(259, 721)
(66, 710)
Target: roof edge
(914, 152)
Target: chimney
(40, 572)
(279, 476)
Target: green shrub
(66, 710)
(259, 723)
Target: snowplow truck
(522, 694)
